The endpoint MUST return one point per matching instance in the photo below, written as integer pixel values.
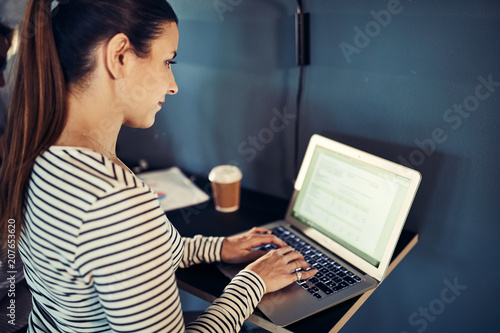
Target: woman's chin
(141, 124)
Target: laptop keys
(314, 292)
(317, 296)
(340, 286)
(349, 280)
(331, 277)
(324, 288)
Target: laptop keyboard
(331, 277)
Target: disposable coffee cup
(226, 184)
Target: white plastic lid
(225, 174)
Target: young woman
(99, 253)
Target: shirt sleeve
(201, 249)
(236, 304)
(240, 297)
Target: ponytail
(37, 112)
(57, 51)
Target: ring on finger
(299, 275)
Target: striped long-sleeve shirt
(100, 254)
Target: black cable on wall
(302, 57)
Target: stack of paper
(174, 189)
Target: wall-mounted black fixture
(302, 45)
(302, 48)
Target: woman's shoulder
(85, 169)
(71, 188)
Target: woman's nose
(172, 86)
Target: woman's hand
(276, 268)
(238, 249)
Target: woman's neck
(91, 123)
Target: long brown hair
(36, 114)
(55, 52)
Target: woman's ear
(118, 55)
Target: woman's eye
(169, 63)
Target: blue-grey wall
(389, 90)
(412, 88)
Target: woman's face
(150, 80)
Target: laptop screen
(351, 202)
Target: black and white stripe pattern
(100, 254)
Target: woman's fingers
(306, 274)
(290, 254)
(265, 236)
(277, 268)
(255, 240)
(291, 260)
(286, 250)
(260, 230)
(300, 264)
(271, 239)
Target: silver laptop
(345, 216)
